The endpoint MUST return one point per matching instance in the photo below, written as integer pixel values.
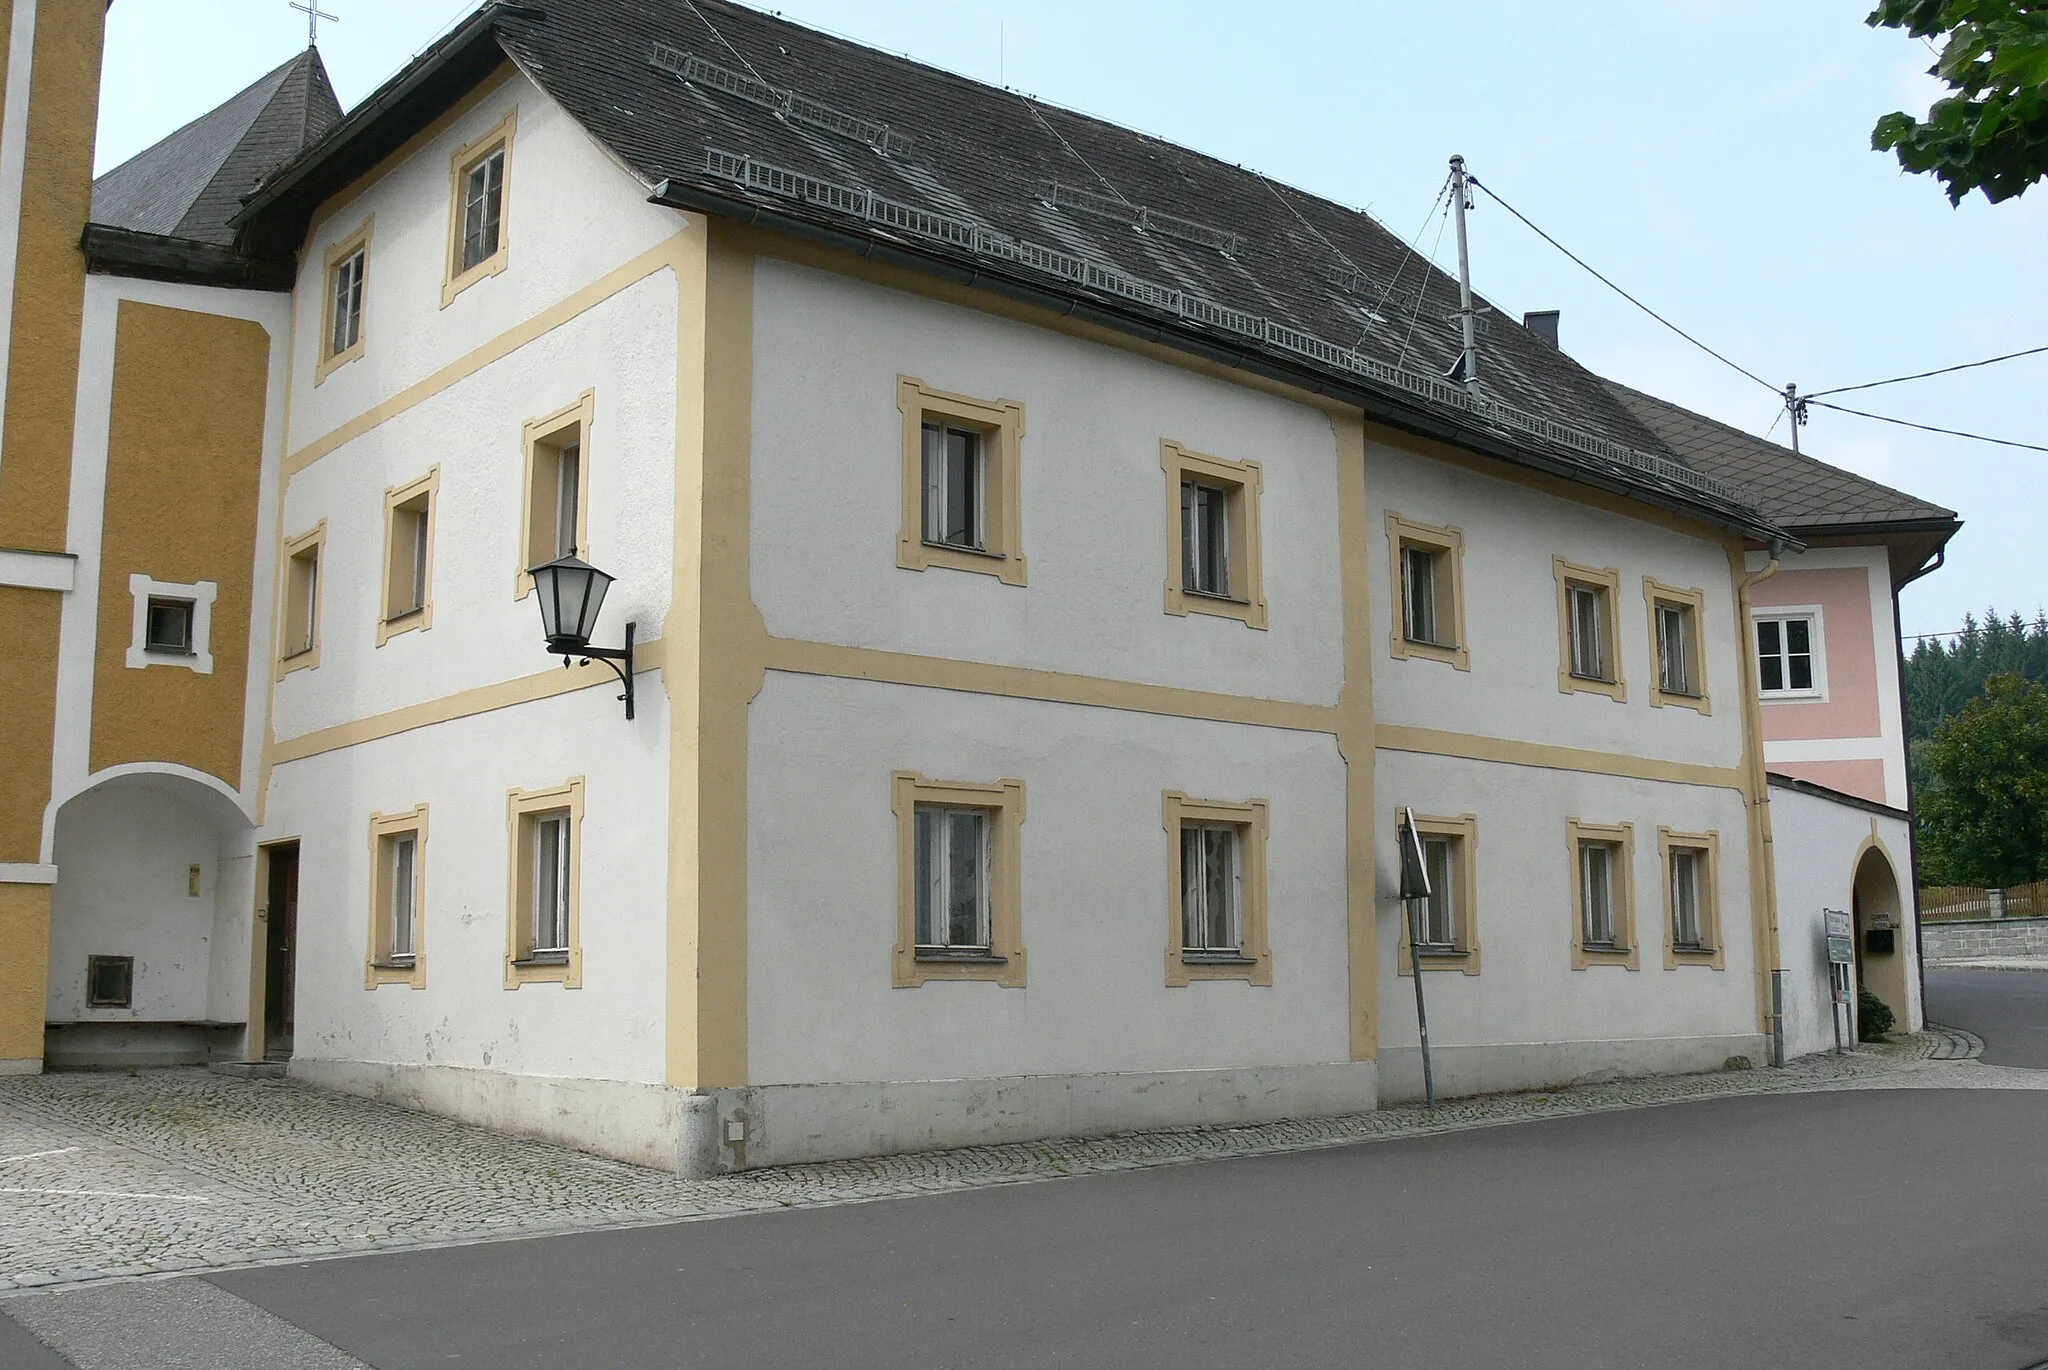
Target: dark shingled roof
(193, 182)
(1806, 496)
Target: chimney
(1543, 323)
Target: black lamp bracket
(620, 659)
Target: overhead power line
(1923, 375)
(1926, 427)
(1588, 268)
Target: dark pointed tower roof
(190, 184)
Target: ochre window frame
(1713, 955)
(1253, 820)
(537, 436)
(1607, 578)
(1448, 544)
(521, 806)
(313, 539)
(378, 966)
(1244, 484)
(455, 279)
(358, 241)
(1622, 835)
(390, 625)
(1464, 829)
(1001, 424)
(1656, 592)
(1004, 801)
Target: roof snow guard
(1152, 220)
(966, 235)
(798, 109)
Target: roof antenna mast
(314, 14)
(1795, 409)
(1468, 324)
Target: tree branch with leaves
(1991, 134)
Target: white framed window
(298, 644)
(1428, 576)
(548, 909)
(1419, 616)
(543, 917)
(955, 506)
(479, 187)
(1692, 898)
(1212, 910)
(347, 305)
(409, 556)
(1204, 538)
(1603, 897)
(1677, 672)
(1439, 912)
(1687, 899)
(1791, 660)
(172, 624)
(1447, 921)
(483, 208)
(1591, 651)
(398, 857)
(954, 881)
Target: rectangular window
(548, 911)
(959, 891)
(479, 186)
(1677, 634)
(1439, 914)
(1596, 894)
(543, 936)
(109, 981)
(1787, 654)
(1447, 922)
(341, 311)
(1211, 913)
(483, 208)
(169, 626)
(397, 899)
(1603, 903)
(347, 304)
(960, 483)
(1213, 536)
(1692, 898)
(1216, 902)
(409, 556)
(1675, 667)
(1428, 566)
(955, 481)
(557, 486)
(1204, 538)
(1589, 633)
(298, 643)
(953, 868)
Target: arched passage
(149, 924)
(1881, 933)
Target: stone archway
(149, 923)
(1882, 946)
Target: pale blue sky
(1710, 155)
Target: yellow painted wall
(28, 687)
(184, 458)
(25, 928)
(49, 282)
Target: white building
(1043, 606)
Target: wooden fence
(1947, 903)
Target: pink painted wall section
(1850, 710)
(1864, 779)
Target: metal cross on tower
(314, 14)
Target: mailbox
(1878, 941)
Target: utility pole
(1468, 325)
(1795, 409)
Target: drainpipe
(1760, 803)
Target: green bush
(1874, 1020)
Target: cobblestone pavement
(106, 1175)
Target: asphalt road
(1857, 1229)
(2007, 1008)
(1816, 1231)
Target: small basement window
(109, 981)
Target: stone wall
(1985, 937)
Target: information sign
(1841, 937)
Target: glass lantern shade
(571, 592)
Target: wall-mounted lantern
(571, 592)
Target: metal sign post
(1415, 889)
(1841, 955)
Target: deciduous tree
(1984, 815)
(1991, 133)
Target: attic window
(479, 187)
